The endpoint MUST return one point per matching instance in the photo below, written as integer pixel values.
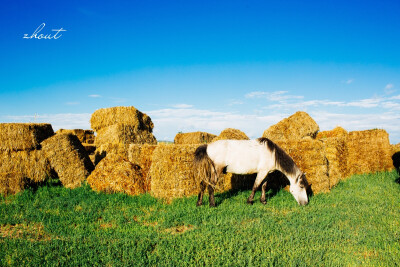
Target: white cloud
(389, 89)
(273, 96)
(95, 96)
(389, 86)
(349, 81)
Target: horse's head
(299, 189)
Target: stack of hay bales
(21, 159)
(193, 138)
(115, 174)
(172, 173)
(86, 137)
(298, 126)
(126, 132)
(68, 158)
(232, 134)
(369, 151)
(125, 125)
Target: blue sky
(203, 65)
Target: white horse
(261, 156)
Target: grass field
(356, 224)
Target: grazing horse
(261, 156)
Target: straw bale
(142, 155)
(32, 164)
(309, 156)
(116, 174)
(12, 183)
(105, 117)
(337, 132)
(125, 134)
(395, 148)
(336, 154)
(298, 126)
(85, 136)
(193, 138)
(230, 133)
(68, 158)
(110, 148)
(172, 172)
(23, 136)
(368, 151)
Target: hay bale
(68, 158)
(124, 134)
(336, 154)
(32, 164)
(193, 138)
(395, 148)
(23, 136)
(298, 126)
(12, 183)
(141, 155)
(309, 156)
(232, 134)
(85, 136)
(106, 117)
(368, 151)
(110, 148)
(116, 174)
(337, 132)
(172, 172)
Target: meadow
(357, 223)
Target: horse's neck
(291, 176)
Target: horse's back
(239, 156)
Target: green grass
(356, 224)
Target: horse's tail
(203, 164)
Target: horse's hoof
(249, 202)
(264, 202)
(198, 204)
(212, 205)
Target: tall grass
(356, 224)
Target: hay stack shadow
(396, 164)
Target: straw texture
(193, 138)
(231, 134)
(68, 158)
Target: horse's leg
(263, 188)
(201, 193)
(260, 177)
(211, 195)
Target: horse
(261, 156)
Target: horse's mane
(281, 157)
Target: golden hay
(336, 154)
(110, 148)
(125, 134)
(337, 132)
(172, 172)
(395, 148)
(105, 117)
(368, 151)
(193, 138)
(23, 136)
(142, 155)
(68, 158)
(230, 133)
(298, 126)
(32, 164)
(309, 156)
(116, 174)
(12, 183)
(85, 136)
